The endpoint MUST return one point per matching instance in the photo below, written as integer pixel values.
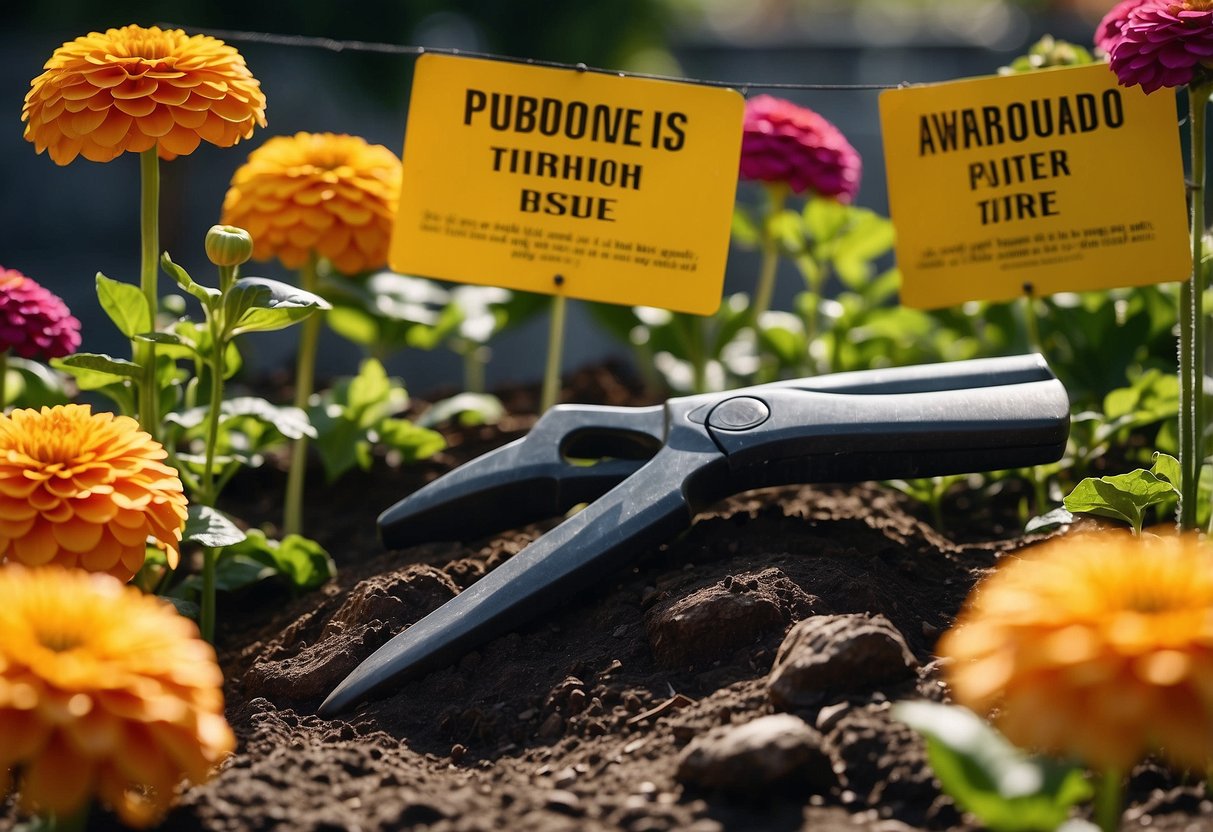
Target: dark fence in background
(62, 225)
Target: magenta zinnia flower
(34, 323)
(1107, 35)
(1162, 44)
(784, 142)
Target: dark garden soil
(739, 677)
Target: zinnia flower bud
(1095, 647)
(34, 323)
(85, 489)
(227, 245)
(317, 193)
(132, 89)
(784, 142)
(105, 691)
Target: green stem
(699, 359)
(770, 254)
(144, 352)
(217, 369)
(3, 380)
(1191, 324)
(1031, 321)
(1035, 344)
(1107, 800)
(206, 616)
(210, 493)
(473, 368)
(305, 381)
(551, 373)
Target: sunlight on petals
(119, 697)
(104, 527)
(105, 94)
(1095, 647)
(304, 194)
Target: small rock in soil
(832, 654)
(749, 759)
(712, 622)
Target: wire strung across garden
(400, 49)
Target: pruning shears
(654, 468)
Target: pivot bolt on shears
(659, 466)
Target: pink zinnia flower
(34, 323)
(1107, 35)
(1163, 44)
(784, 142)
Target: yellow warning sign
(568, 182)
(1041, 182)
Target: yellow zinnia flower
(1097, 646)
(135, 89)
(105, 691)
(332, 195)
(86, 489)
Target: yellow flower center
(148, 44)
(1157, 599)
(58, 442)
(1199, 5)
(58, 640)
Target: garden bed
(613, 711)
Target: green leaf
(354, 324)
(162, 338)
(424, 337)
(1167, 467)
(868, 236)
(745, 230)
(188, 609)
(291, 422)
(786, 229)
(783, 335)
(1048, 521)
(206, 295)
(336, 441)
(1008, 790)
(411, 441)
(90, 367)
(257, 304)
(1122, 497)
(210, 527)
(302, 561)
(470, 408)
(368, 388)
(233, 572)
(125, 305)
(33, 384)
(824, 218)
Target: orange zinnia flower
(105, 691)
(135, 89)
(86, 489)
(332, 195)
(1098, 647)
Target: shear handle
(846, 438)
(531, 478)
